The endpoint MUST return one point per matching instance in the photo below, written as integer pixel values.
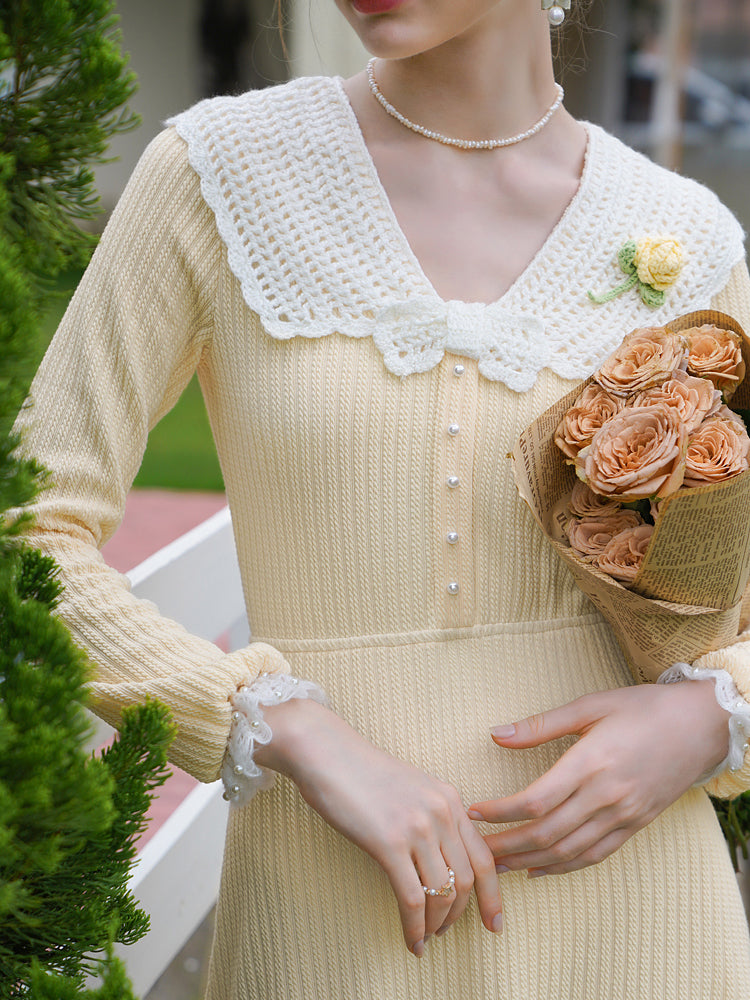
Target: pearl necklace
(461, 143)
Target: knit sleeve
(734, 299)
(126, 348)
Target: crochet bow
(413, 336)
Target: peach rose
(585, 503)
(693, 398)
(592, 408)
(590, 537)
(718, 450)
(724, 413)
(645, 357)
(659, 261)
(639, 453)
(623, 556)
(716, 354)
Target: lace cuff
(242, 777)
(730, 700)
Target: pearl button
(453, 429)
(458, 369)
(236, 716)
(453, 588)
(453, 482)
(452, 537)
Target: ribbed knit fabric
(337, 476)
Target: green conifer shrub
(64, 87)
(68, 822)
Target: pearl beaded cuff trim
(731, 700)
(242, 777)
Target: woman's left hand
(640, 748)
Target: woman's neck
(494, 80)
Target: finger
(457, 859)
(435, 874)
(485, 877)
(575, 717)
(576, 766)
(597, 852)
(411, 903)
(565, 850)
(581, 807)
(533, 802)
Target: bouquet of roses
(641, 482)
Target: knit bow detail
(414, 335)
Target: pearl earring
(556, 11)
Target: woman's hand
(640, 748)
(413, 825)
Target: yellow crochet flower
(659, 261)
(652, 265)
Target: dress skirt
(303, 913)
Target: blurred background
(671, 77)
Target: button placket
(456, 451)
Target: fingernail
(418, 949)
(536, 872)
(473, 814)
(501, 868)
(504, 732)
(443, 930)
(497, 923)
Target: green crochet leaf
(650, 295)
(626, 256)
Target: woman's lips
(375, 6)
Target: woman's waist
(432, 696)
(428, 636)
(525, 666)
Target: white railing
(176, 877)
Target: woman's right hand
(412, 824)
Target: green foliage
(68, 822)
(181, 454)
(734, 818)
(63, 94)
(116, 986)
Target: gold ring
(445, 889)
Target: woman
(375, 314)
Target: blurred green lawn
(180, 453)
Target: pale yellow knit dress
(331, 372)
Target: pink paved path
(153, 518)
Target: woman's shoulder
(292, 106)
(662, 199)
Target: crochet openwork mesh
(313, 241)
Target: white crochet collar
(313, 241)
